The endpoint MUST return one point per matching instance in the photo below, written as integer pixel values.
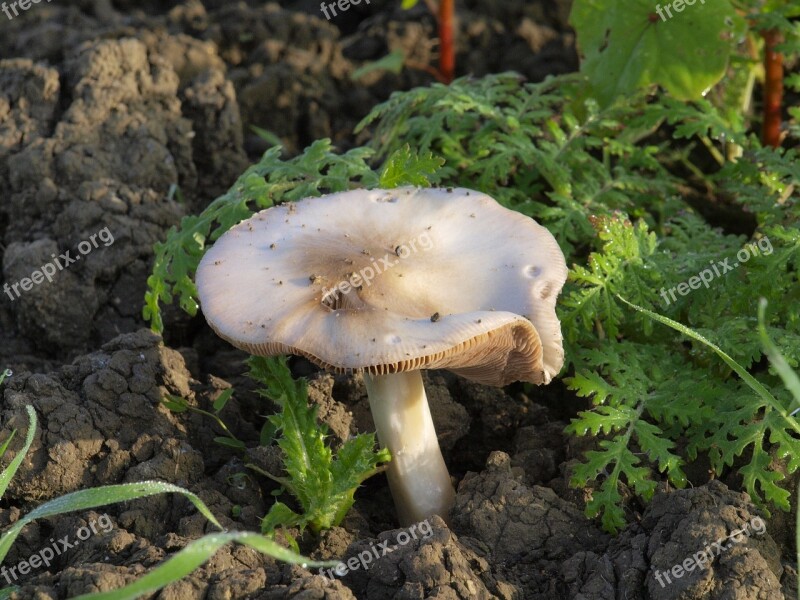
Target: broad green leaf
(267, 434)
(631, 44)
(392, 62)
(280, 515)
(175, 405)
(222, 400)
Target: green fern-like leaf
(749, 421)
(404, 167)
(623, 264)
(318, 170)
(502, 136)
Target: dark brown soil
(104, 106)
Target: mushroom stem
(417, 474)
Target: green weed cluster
(607, 184)
(612, 184)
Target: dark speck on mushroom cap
(491, 276)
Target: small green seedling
(323, 485)
(178, 405)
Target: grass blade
(175, 568)
(792, 383)
(101, 496)
(5, 444)
(193, 556)
(790, 379)
(8, 473)
(751, 381)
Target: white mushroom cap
(459, 282)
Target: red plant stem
(773, 89)
(447, 53)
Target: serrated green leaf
(324, 484)
(751, 381)
(741, 428)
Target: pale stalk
(417, 474)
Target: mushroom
(387, 283)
